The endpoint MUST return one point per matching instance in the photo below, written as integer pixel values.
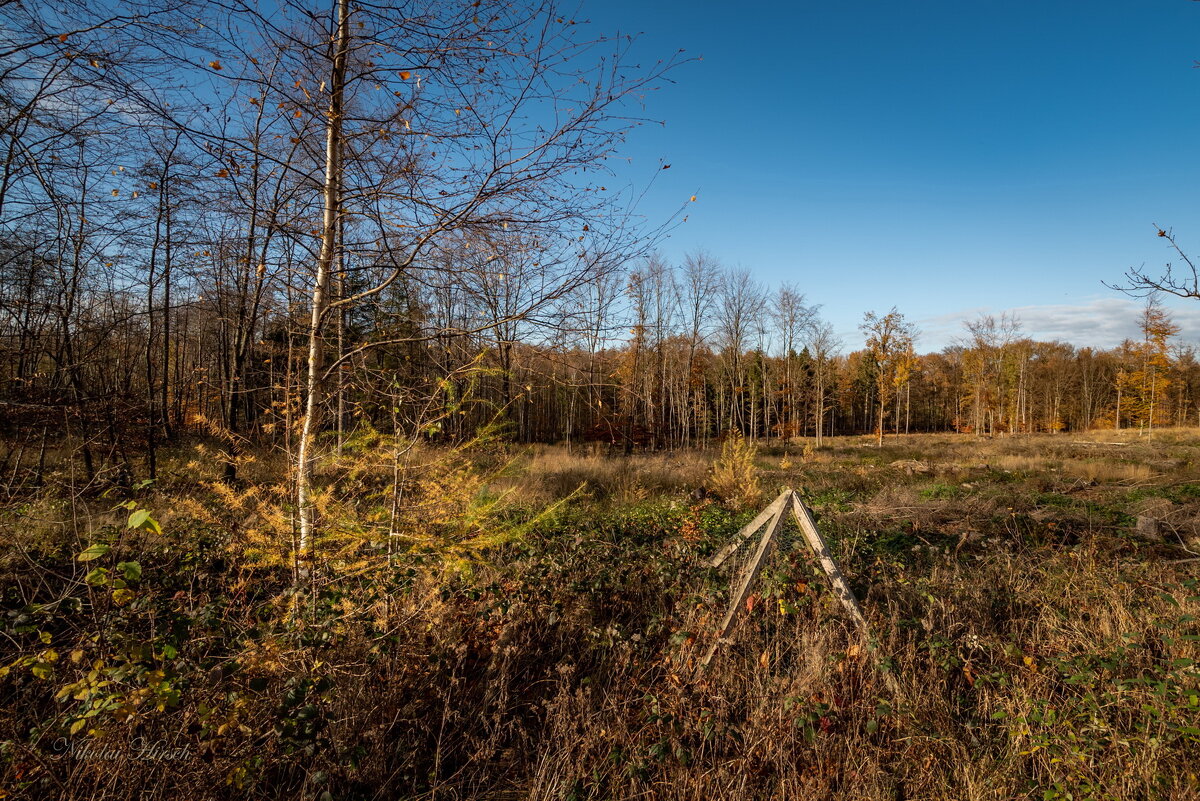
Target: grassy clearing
(533, 631)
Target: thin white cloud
(1097, 323)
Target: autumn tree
(739, 312)
(697, 289)
(823, 344)
(1144, 387)
(986, 361)
(889, 340)
(438, 118)
(793, 318)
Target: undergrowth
(520, 635)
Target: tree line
(262, 219)
(286, 229)
(658, 356)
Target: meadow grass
(535, 629)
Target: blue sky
(948, 158)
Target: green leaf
(142, 519)
(122, 597)
(97, 576)
(131, 570)
(94, 551)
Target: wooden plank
(816, 542)
(751, 527)
(841, 589)
(820, 549)
(749, 573)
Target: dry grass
(552, 472)
(796, 706)
(1109, 472)
(1042, 648)
(1024, 462)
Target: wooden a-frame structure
(773, 518)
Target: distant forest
(652, 357)
(283, 230)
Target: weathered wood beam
(751, 527)
(820, 549)
(749, 573)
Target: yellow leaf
(216, 65)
